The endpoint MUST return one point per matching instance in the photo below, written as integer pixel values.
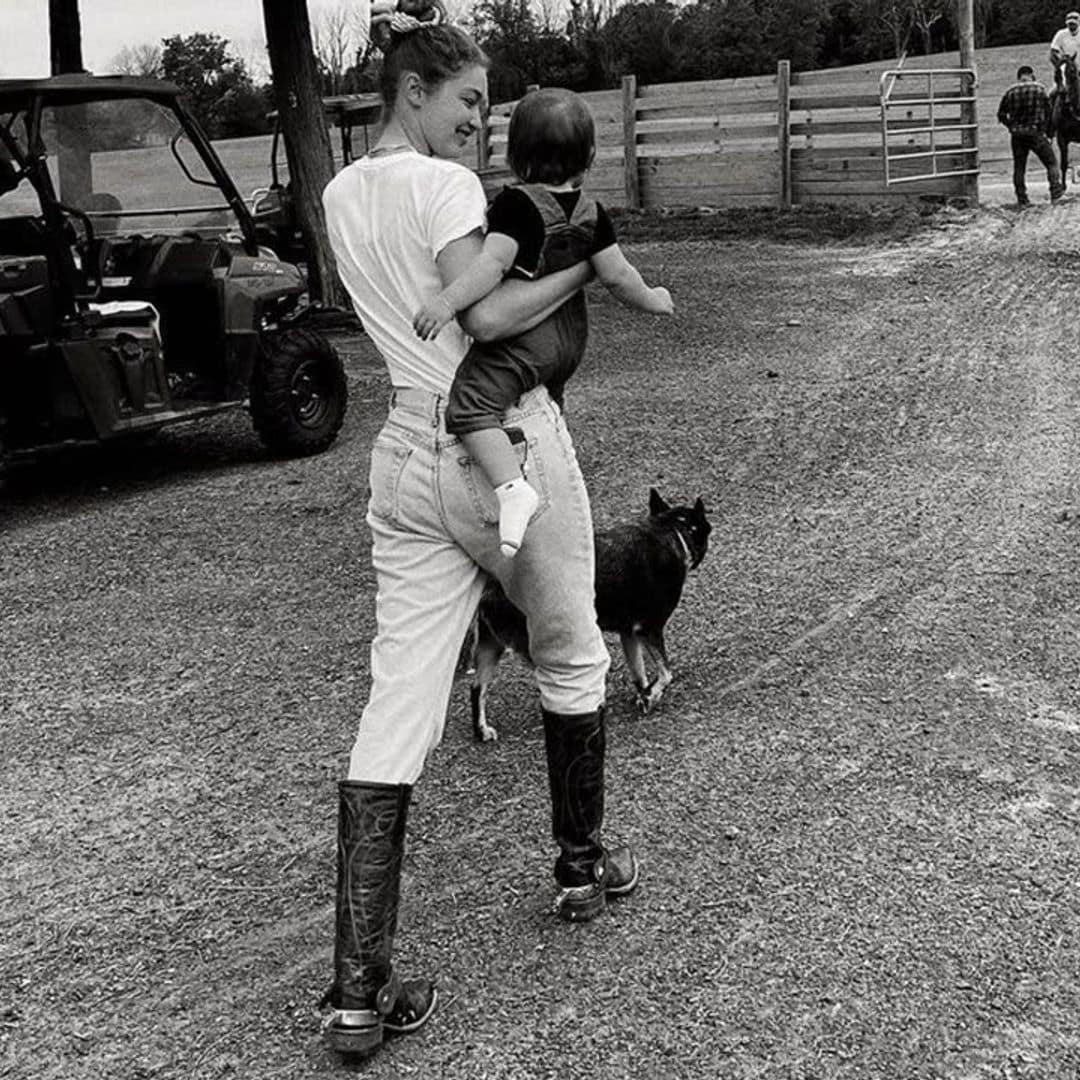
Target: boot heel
(354, 1032)
(580, 904)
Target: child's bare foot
(517, 501)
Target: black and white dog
(640, 570)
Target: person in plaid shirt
(1025, 111)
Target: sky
(109, 25)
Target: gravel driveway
(857, 807)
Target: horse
(1065, 113)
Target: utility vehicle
(133, 290)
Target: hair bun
(407, 17)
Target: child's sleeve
(512, 213)
(605, 231)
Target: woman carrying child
(404, 223)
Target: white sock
(517, 501)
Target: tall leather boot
(586, 872)
(368, 998)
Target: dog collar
(687, 554)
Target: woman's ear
(413, 87)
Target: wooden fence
(770, 140)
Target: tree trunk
(65, 57)
(307, 141)
(65, 37)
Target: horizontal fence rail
(771, 140)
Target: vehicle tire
(298, 393)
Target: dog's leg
(654, 643)
(486, 656)
(633, 650)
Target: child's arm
(624, 282)
(479, 278)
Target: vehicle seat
(28, 236)
(27, 313)
(180, 283)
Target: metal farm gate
(931, 131)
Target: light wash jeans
(434, 526)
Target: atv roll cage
(29, 100)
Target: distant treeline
(711, 39)
(599, 42)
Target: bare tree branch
(335, 37)
(143, 60)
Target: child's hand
(662, 302)
(431, 318)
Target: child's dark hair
(552, 138)
(435, 53)
(1023, 70)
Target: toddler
(540, 225)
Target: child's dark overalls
(493, 375)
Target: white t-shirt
(1066, 42)
(388, 218)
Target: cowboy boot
(587, 873)
(367, 997)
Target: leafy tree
(793, 31)
(210, 77)
(720, 39)
(842, 36)
(557, 63)
(638, 41)
(244, 110)
(507, 31)
(1028, 20)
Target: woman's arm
(514, 306)
(482, 275)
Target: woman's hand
(431, 318)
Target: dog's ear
(656, 503)
(699, 507)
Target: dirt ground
(857, 807)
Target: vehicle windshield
(127, 164)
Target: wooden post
(783, 128)
(969, 114)
(630, 160)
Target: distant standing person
(1065, 45)
(1025, 111)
